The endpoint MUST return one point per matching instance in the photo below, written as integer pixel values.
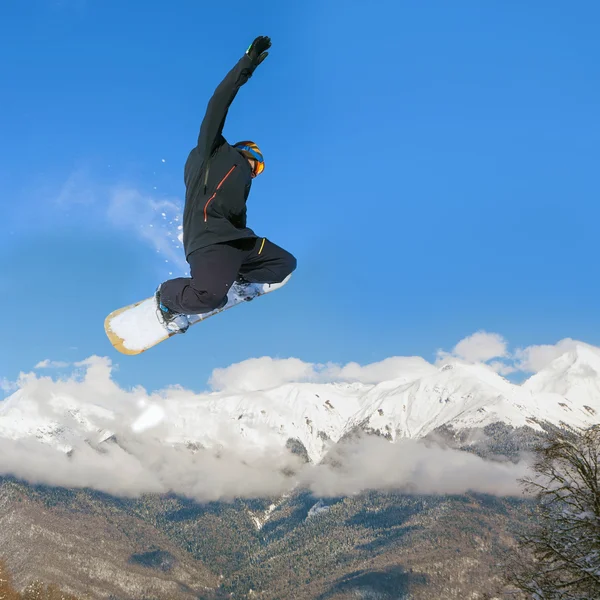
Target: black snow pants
(214, 268)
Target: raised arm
(212, 125)
(210, 136)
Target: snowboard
(136, 328)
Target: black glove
(257, 50)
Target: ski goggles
(253, 153)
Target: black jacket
(217, 176)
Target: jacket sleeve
(210, 136)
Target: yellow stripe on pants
(262, 245)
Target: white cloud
(534, 358)
(479, 347)
(502, 368)
(411, 466)
(394, 367)
(261, 374)
(51, 364)
(8, 386)
(266, 372)
(482, 347)
(145, 465)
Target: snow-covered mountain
(419, 400)
(574, 375)
(466, 396)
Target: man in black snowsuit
(220, 249)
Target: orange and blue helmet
(252, 151)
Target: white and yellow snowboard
(136, 328)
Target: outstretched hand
(257, 50)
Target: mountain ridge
(456, 394)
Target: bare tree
(560, 555)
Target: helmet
(252, 151)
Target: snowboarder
(220, 249)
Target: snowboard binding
(172, 321)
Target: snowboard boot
(172, 321)
(243, 288)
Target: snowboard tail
(135, 328)
(123, 342)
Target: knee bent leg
(211, 298)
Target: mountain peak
(575, 375)
(583, 354)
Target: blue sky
(434, 168)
